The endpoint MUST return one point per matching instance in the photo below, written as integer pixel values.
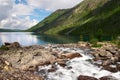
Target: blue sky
(39, 14)
(23, 14)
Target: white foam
(80, 66)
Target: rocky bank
(19, 62)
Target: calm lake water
(30, 38)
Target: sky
(23, 14)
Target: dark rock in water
(52, 70)
(12, 45)
(69, 67)
(7, 43)
(108, 78)
(82, 77)
(111, 68)
(118, 66)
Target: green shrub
(4, 48)
(94, 41)
(97, 45)
(118, 44)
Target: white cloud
(21, 9)
(5, 8)
(18, 23)
(53, 5)
(17, 16)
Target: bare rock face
(82, 77)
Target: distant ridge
(90, 17)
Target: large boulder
(12, 45)
(108, 78)
(82, 77)
(71, 55)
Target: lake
(30, 38)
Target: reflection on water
(28, 38)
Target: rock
(107, 62)
(108, 78)
(61, 62)
(8, 72)
(102, 53)
(114, 59)
(7, 43)
(111, 68)
(12, 45)
(1, 52)
(82, 77)
(109, 55)
(71, 55)
(117, 54)
(42, 72)
(112, 49)
(84, 45)
(69, 67)
(55, 54)
(52, 70)
(118, 66)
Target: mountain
(9, 30)
(90, 17)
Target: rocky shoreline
(18, 60)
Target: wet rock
(62, 62)
(1, 52)
(42, 72)
(107, 62)
(82, 77)
(7, 43)
(108, 78)
(12, 45)
(69, 67)
(114, 59)
(118, 66)
(71, 55)
(110, 68)
(52, 70)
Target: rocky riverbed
(77, 61)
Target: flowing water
(80, 66)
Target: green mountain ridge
(90, 17)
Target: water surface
(30, 38)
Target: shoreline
(30, 58)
